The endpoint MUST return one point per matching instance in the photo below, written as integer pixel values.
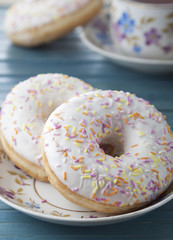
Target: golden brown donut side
(82, 201)
(56, 29)
(30, 168)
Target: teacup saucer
(97, 37)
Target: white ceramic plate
(97, 37)
(42, 201)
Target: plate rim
(72, 220)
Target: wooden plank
(159, 94)
(55, 237)
(13, 216)
(4, 206)
(126, 230)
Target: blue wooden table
(68, 55)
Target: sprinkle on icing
(28, 14)
(31, 102)
(142, 170)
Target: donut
(24, 113)
(35, 22)
(112, 152)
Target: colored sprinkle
(166, 178)
(78, 141)
(153, 170)
(125, 120)
(85, 113)
(42, 113)
(50, 103)
(16, 131)
(73, 168)
(105, 201)
(93, 195)
(134, 195)
(115, 203)
(29, 133)
(152, 131)
(115, 181)
(114, 191)
(65, 176)
(85, 177)
(134, 145)
(141, 133)
(92, 131)
(38, 104)
(81, 136)
(77, 144)
(116, 164)
(83, 169)
(133, 185)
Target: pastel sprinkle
(85, 177)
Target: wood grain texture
(68, 55)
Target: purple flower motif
(152, 37)
(91, 216)
(102, 31)
(100, 25)
(167, 49)
(8, 194)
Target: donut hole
(112, 147)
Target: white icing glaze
(29, 104)
(136, 128)
(28, 14)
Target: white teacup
(143, 29)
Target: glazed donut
(34, 22)
(24, 113)
(111, 153)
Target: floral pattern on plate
(36, 196)
(42, 201)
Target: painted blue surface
(68, 55)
